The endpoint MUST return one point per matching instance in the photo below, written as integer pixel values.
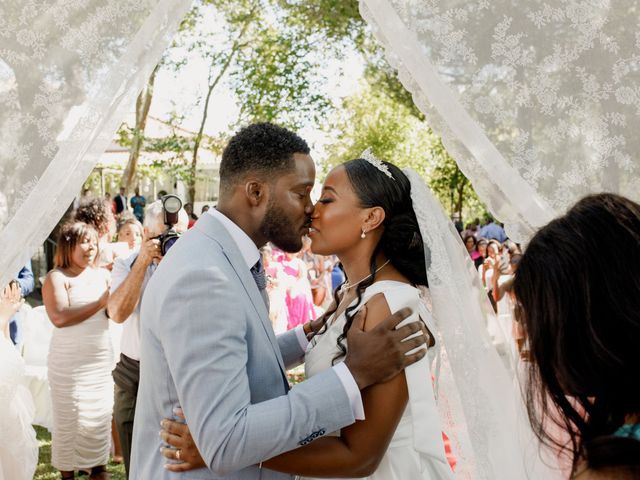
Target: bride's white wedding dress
(416, 451)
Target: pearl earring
(363, 234)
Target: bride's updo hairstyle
(401, 241)
(578, 292)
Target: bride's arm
(361, 446)
(356, 453)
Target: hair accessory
(368, 156)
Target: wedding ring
(178, 454)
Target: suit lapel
(212, 228)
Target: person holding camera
(129, 279)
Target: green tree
(373, 118)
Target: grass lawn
(46, 472)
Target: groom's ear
(375, 217)
(256, 192)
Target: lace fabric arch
(69, 70)
(479, 402)
(538, 102)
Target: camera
(171, 205)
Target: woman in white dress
(365, 217)
(80, 360)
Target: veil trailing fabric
(538, 102)
(69, 71)
(479, 403)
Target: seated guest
(579, 310)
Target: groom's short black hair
(260, 147)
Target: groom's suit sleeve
(204, 337)
(290, 348)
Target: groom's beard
(279, 230)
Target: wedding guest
(96, 214)
(299, 300)
(138, 203)
(205, 208)
(18, 443)
(470, 244)
(481, 248)
(276, 288)
(109, 202)
(129, 277)
(26, 284)
(579, 310)
(121, 201)
(192, 216)
(75, 295)
(492, 230)
(130, 231)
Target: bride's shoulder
(386, 297)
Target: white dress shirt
(130, 341)
(251, 255)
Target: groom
(206, 341)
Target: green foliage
(373, 118)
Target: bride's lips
(312, 231)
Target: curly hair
(260, 147)
(94, 213)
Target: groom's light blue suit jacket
(208, 346)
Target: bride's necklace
(346, 286)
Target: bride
(365, 217)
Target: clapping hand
(10, 302)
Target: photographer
(129, 279)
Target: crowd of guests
(570, 311)
(496, 258)
(300, 285)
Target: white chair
(37, 336)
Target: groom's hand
(182, 448)
(381, 353)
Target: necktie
(261, 281)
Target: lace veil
(538, 102)
(69, 72)
(479, 402)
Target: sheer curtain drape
(538, 102)
(69, 70)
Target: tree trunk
(143, 104)
(460, 201)
(191, 184)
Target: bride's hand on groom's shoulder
(379, 354)
(182, 449)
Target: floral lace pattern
(477, 398)
(69, 70)
(538, 102)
